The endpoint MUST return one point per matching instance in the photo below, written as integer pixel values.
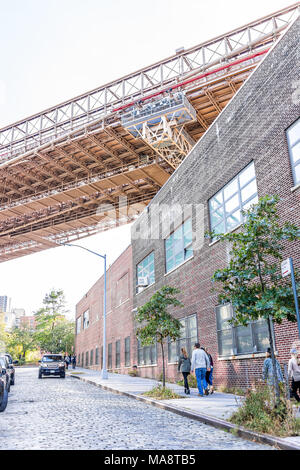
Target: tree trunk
(163, 363)
(276, 382)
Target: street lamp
(104, 374)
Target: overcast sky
(53, 50)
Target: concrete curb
(239, 431)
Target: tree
(252, 281)
(3, 335)
(54, 333)
(158, 324)
(21, 340)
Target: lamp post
(104, 374)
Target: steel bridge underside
(87, 178)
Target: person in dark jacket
(74, 361)
(209, 374)
(184, 366)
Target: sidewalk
(213, 409)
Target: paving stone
(55, 413)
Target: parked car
(52, 364)
(3, 388)
(11, 366)
(5, 371)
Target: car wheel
(12, 380)
(63, 376)
(8, 388)
(4, 400)
(40, 375)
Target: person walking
(294, 374)
(184, 366)
(74, 361)
(209, 373)
(200, 364)
(67, 361)
(268, 374)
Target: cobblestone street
(55, 413)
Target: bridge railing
(76, 113)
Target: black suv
(11, 367)
(52, 364)
(3, 388)
(5, 371)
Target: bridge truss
(79, 168)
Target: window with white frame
(86, 319)
(237, 340)
(145, 272)
(293, 138)
(225, 207)
(179, 245)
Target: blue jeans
(200, 376)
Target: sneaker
(199, 395)
(206, 391)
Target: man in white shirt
(200, 364)
(294, 374)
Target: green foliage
(54, 333)
(252, 281)
(157, 323)
(162, 393)
(259, 414)
(20, 341)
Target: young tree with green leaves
(157, 323)
(21, 340)
(252, 281)
(54, 333)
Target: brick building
(251, 149)
(121, 343)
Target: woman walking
(184, 366)
(268, 374)
(294, 374)
(209, 373)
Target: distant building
(9, 320)
(28, 321)
(5, 303)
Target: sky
(53, 50)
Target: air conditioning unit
(143, 281)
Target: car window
(52, 358)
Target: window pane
(297, 174)
(260, 336)
(233, 220)
(243, 339)
(224, 313)
(232, 204)
(230, 189)
(295, 153)
(247, 175)
(293, 133)
(219, 228)
(254, 200)
(217, 216)
(249, 190)
(172, 351)
(225, 342)
(216, 201)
